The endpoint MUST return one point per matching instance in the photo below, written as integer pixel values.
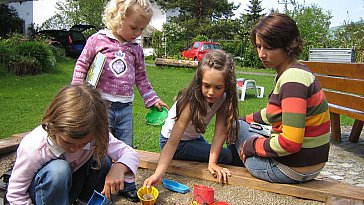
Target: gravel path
(346, 165)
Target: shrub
(23, 65)
(200, 38)
(58, 53)
(29, 57)
(4, 54)
(44, 59)
(234, 47)
(157, 44)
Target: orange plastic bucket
(203, 194)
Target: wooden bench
(343, 84)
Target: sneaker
(131, 195)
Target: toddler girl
(124, 65)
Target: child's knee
(226, 156)
(57, 172)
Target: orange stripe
(259, 147)
(316, 99)
(273, 109)
(249, 118)
(294, 105)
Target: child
(69, 155)
(297, 110)
(211, 92)
(124, 66)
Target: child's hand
(160, 104)
(219, 172)
(152, 181)
(114, 181)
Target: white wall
(43, 10)
(160, 17)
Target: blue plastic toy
(98, 199)
(175, 186)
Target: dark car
(71, 40)
(199, 49)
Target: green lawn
(24, 99)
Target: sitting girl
(297, 110)
(70, 154)
(211, 92)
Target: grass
(24, 99)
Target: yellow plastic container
(148, 196)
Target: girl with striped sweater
(297, 110)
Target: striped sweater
(298, 111)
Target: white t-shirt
(190, 133)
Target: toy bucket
(148, 196)
(203, 194)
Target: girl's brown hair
(78, 111)
(220, 61)
(279, 31)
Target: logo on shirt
(118, 64)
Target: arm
(24, 170)
(142, 82)
(290, 124)
(258, 117)
(216, 146)
(84, 61)
(114, 181)
(125, 166)
(169, 149)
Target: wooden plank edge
(11, 144)
(317, 190)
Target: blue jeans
(121, 121)
(197, 150)
(260, 167)
(55, 184)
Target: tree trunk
(177, 63)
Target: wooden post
(356, 130)
(335, 127)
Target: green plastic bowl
(155, 117)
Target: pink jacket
(124, 67)
(36, 149)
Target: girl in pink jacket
(71, 154)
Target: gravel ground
(346, 165)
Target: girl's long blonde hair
(220, 61)
(78, 111)
(117, 10)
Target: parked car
(71, 40)
(199, 49)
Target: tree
(254, 12)
(10, 21)
(313, 23)
(196, 16)
(76, 12)
(351, 36)
(248, 20)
